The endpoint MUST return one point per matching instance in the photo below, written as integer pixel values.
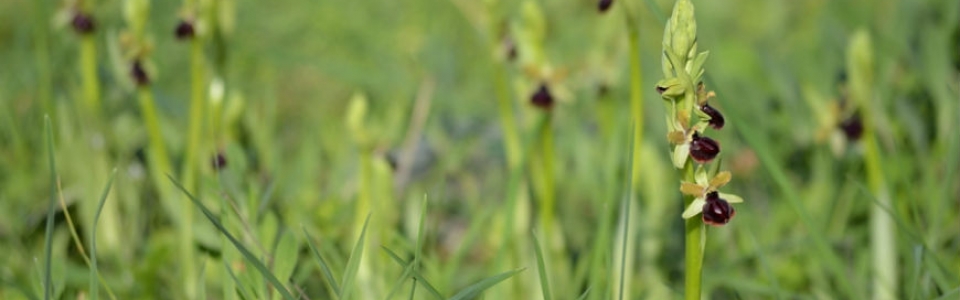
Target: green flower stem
(883, 244)
(88, 69)
(190, 165)
(695, 239)
(508, 122)
(636, 96)
(882, 239)
(197, 108)
(157, 158)
(42, 55)
(159, 165)
(548, 192)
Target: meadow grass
(385, 150)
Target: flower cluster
(689, 114)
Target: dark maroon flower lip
(604, 5)
(852, 127)
(717, 211)
(219, 161)
(716, 118)
(184, 30)
(138, 74)
(703, 149)
(542, 97)
(83, 23)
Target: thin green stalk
(625, 212)
(197, 108)
(48, 233)
(882, 239)
(42, 55)
(548, 192)
(190, 166)
(88, 69)
(91, 263)
(94, 272)
(157, 158)
(513, 150)
(636, 94)
(511, 137)
(693, 252)
(160, 166)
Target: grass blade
(778, 174)
(240, 286)
(48, 234)
(243, 250)
(585, 293)
(324, 268)
(625, 215)
(414, 266)
(952, 294)
(474, 290)
(942, 269)
(416, 252)
(403, 277)
(541, 268)
(94, 285)
(201, 283)
(353, 263)
(415, 275)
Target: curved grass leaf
(403, 277)
(416, 252)
(541, 268)
(94, 285)
(952, 294)
(264, 271)
(426, 284)
(240, 286)
(324, 268)
(585, 293)
(48, 233)
(353, 263)
(777, 172)
(474, 290)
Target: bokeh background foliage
(333, 110)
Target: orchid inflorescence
(686, 98)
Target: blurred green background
(325, 111)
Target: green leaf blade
(264, 271)
(541, 268)
(331, 282)
(474, 290)
(94, 272)
(353, 263)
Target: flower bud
(670, 88)
(682, 30)
(703, 149)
